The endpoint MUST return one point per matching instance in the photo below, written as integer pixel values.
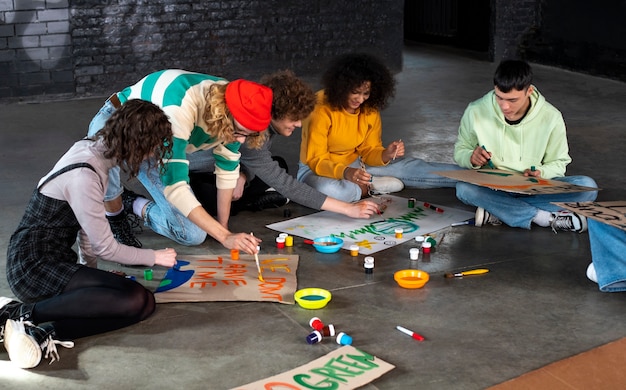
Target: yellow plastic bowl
(411, 278)
(312, 298)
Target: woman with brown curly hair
(207, 114)
(263, 179)
(63, 299)
(341, 153)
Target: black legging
(93, 302)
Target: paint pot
(234, 254)
(328, 330)
(289, 241)
(283, 235)
(280, 242)
(354, 250)
(426, 247)
(368, 264)
(343, 339)
(411, 203)
(316, 323)
(414, 253)
(399, 232)
(432, 241)
(131, 277)
(314, 337)
(419, 240)
(147, 274)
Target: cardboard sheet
(497, 179)
(220, 278)
(600, 368)
(612, 213)
(343, 369)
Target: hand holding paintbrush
(256, 259)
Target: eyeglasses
(239, 132)
(246, 135)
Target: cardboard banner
(612, 213)
(377, 233)
(497, 179)
(345, 368)
(220, 278)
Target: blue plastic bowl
(327, 244)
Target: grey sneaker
(568, 221)
(122, 230)
(26, 343)
(382, 185)
(484, 217)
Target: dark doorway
(458, 23)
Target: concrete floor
(535, 306)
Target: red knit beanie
(250, 103)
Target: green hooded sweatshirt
(539, 140)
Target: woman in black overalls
(61, 298)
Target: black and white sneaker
(484, 217)
(122, 230)
(27, 343)
(568, 221)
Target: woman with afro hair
(342, 154)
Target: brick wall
(53, 48)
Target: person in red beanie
(207, 113)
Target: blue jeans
(114, 189)
(161, 216)
(413, 172)
(518, 210)
(608, 245)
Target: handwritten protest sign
(501, 180)
(612, 213)
(343, 369)
(378, 232)
(220, 278)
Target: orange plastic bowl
(411, 278)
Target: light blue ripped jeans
(413, 172)
(161, 216)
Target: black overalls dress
(40, 258)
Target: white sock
(114, 213)
(591, 273)
(138, 206)
(543, 218)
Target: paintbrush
(479, 271)
(322, 243)
(256, 259)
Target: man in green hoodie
(514, 128)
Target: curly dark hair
(136, 131)
(347, 72)
(293, 99)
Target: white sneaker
(26, 343)
(484, 217)
(382, 185)
(591, 273)
(568, 221)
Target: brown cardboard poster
(343, 369)
(497, 179)
(612, 213)
(221, 278)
